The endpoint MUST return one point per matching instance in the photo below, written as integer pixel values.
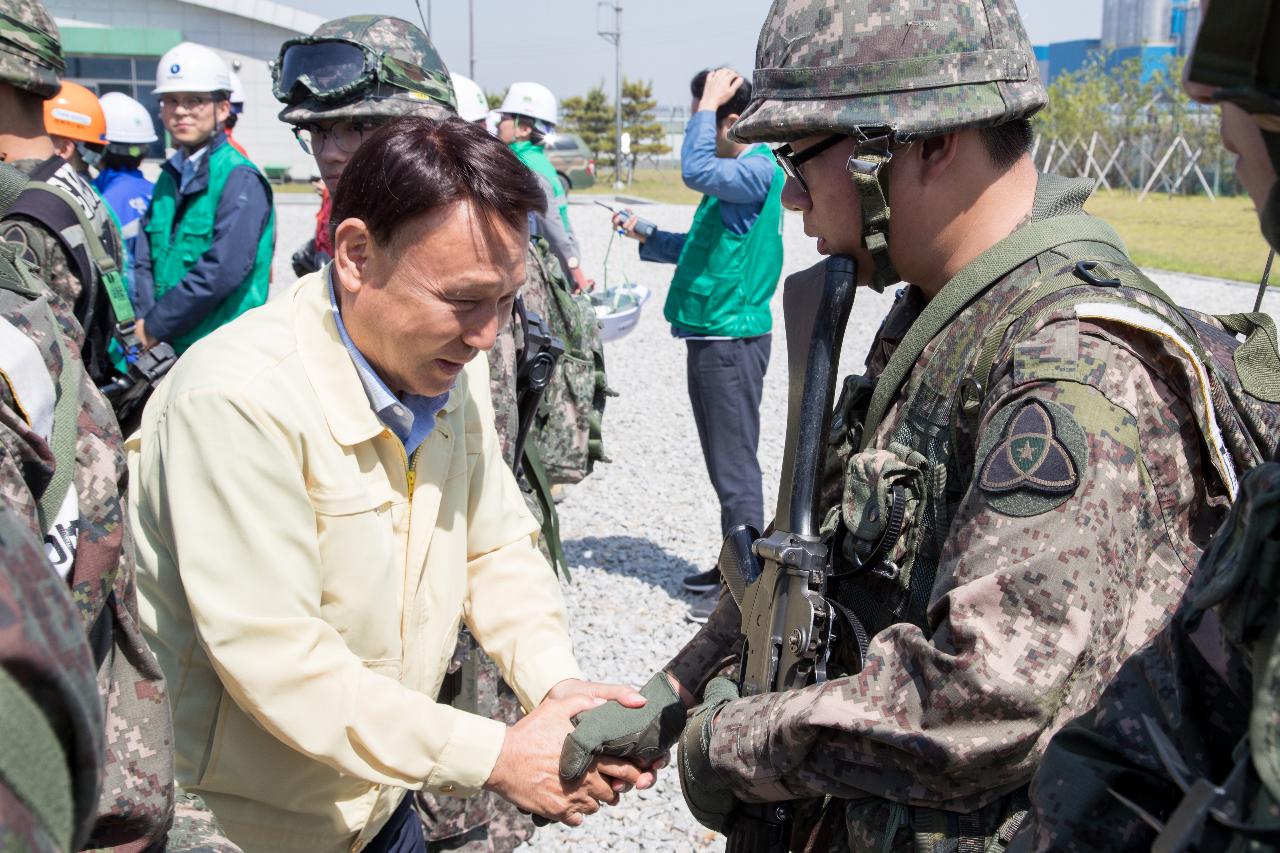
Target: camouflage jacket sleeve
(1034, 607)
(43, 251)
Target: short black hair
(736, 105)
(1006, 143)
(415, 164)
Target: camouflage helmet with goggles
(362, 66)
(30, 48)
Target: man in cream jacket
(318, 500)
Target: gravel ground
(637, 526)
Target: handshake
(578, 749)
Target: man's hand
(581, 284)
(140, 329)
(643, 732)
(721, 85)
(626, 223)
(527, 771)
(704, 791)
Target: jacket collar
(329, 367)
(201, 180)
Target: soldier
(1022, 479)
(1181, 751)
(332, 127)
(60, 429)
(47, 225)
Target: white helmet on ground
(191, 67)
(534, 101)
(237, 93)
(127, 120)
(472, 104)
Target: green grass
(293, 187)
(1188, 234)
(660, 185)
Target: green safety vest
(178, 241)
(534, 157)
(724, 281)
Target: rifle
(780, 581)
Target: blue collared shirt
(411, 417)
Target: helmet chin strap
(867, 171)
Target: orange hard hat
(76, 114)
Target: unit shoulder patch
(17, 235)
(1032, 456)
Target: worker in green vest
(727, 267)
(205, 257)
(528, 115)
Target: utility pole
(614, 37)
(471, 26)
(428, 17)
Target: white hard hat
(472, 104)
(191, 68)
(237, 90)
(127, 120)
(531, 99)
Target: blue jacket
(129, 195)
(241, 216)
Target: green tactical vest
(178, 240)
(724, 281)
(534, 157)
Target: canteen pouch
(882, 514)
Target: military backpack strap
(12, 183)
(1257, 363)
(109, 271)
(969, 284)
(550, 518)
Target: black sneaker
(703, 581)
(701, 609)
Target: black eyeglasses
(791, 161)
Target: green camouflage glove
(644, 734)
(704, 791)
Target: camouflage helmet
(918, 69)
(30, 48)
(402, 73)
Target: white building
(1129, 23)
(113, 45)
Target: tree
(648, 137)
(495, 99)
(591, 117)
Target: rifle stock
(780, 583)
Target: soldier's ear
(935, 155)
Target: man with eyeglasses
(727, 268)
(205, 257)
(1017, 488)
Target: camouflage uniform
(1012, 594)
(484, 822)
(87, 541)
(1190, 723)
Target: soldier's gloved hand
(644, 734)
(705, 792)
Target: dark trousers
(402, 833)
(726, 380)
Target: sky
(666, 42)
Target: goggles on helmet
(331, 70)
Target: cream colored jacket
(302, 581)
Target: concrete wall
(250, 42)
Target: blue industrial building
(1065, 57)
